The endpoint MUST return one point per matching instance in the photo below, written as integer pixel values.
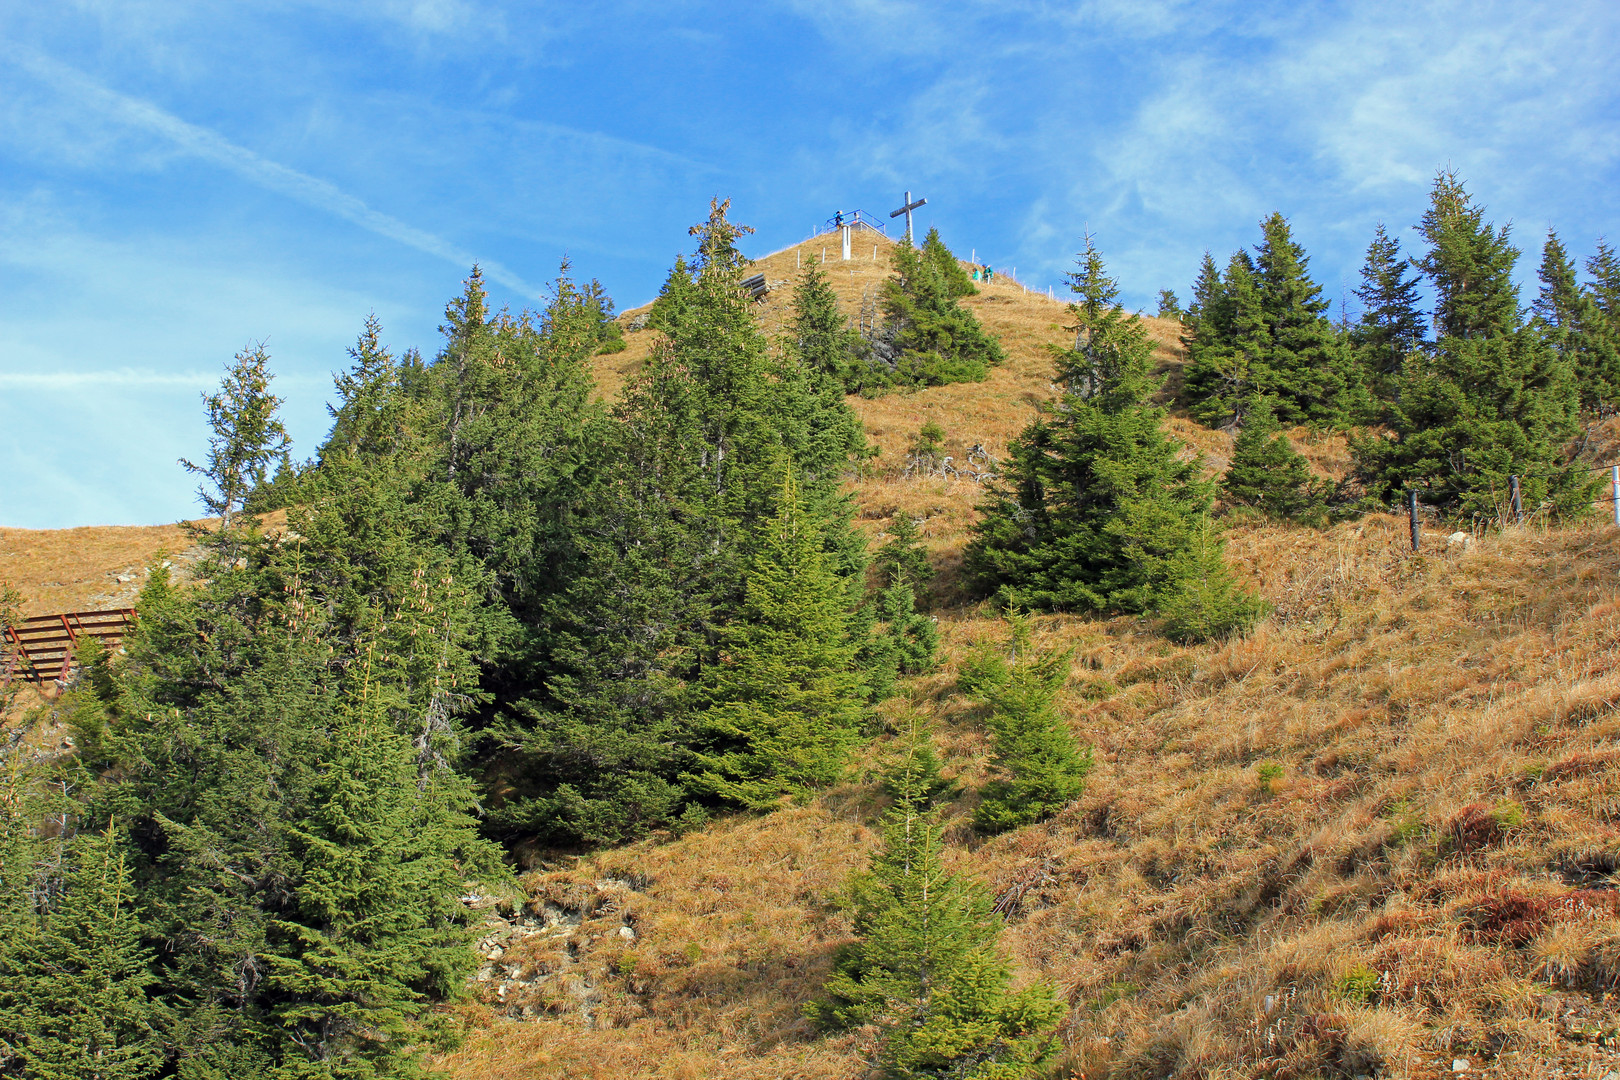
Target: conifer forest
(507, 625)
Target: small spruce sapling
(1268, 473)
(925, 968)
(1039, 768)
(904, 554)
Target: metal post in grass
(1412, 513)
(1518, 501)
(1614, 487)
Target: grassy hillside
(1377, 836)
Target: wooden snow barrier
(40, 649)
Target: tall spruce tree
(681, 478)
(1571, 324)
(1037, 767)
(925, 968)
(218, 751)
(822, 338)
(1313, 377)
(1227, 349)
(1096, 509)
(1494, 400)
(784, 703)
(1392, 327)
(1264, 330)
(374, 934)
(1599, 371)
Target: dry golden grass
(77, 569)
(1376, 834)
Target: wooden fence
(40, 649)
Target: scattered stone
(1459, 1065)
(627, 933)
(1464, 541)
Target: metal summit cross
(906, 210)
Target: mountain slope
(1377, 835)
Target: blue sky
(180, 179)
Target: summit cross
(906, 210)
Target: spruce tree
(823, 340)
(1307, 368)
(1227, 349)
(1169, 305)
(1267, 473)
(932, 339)
(784, 703)
(1604, 268)
(73, 988)
(598, 309)
(374, 933)
(1598, 370)
(1264, 330)
(1391, 327)
(1037, 767)
(904, 641)
(1096, 509)
(957, 281)
(679, 481)
(925, 967)
(1571, 324)
(903, 556)
(1494, 399)
(247, 435)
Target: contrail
(210, 146)
(79, 380)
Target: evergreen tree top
(1558, 301)
(1111, 361)
(1282, 268)
(717, 252)
(1470, 264)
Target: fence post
(1518, 502)
(1614, 486)
(1412, 513)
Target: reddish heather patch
(1515, 919)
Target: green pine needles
(1267, 473)
(1096, 508)
(785, 701)
(1494, 396)
(928, 338)
(1038, 767)
(925, 968)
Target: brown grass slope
(1376, 835)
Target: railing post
(1417, 526)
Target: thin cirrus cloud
(209, 146)
(75, 380)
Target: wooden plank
(44, 642)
